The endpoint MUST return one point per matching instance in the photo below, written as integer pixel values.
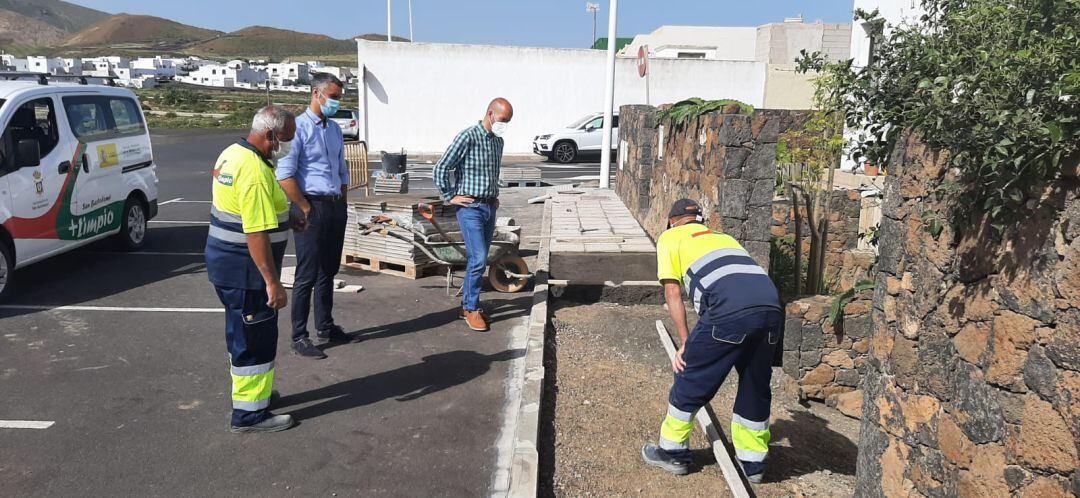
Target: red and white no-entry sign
(643, 61)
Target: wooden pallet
(376, 264)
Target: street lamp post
(609, 97)
(389, 25)
(593, 8)
(411, 38)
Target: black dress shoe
(304, 347)
(334, 334)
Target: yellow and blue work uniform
(246, 199)
(739, 326)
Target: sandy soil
(606, 392)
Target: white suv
(349, 121)
(76, 166)
(582, 137)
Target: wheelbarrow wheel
(502, 282)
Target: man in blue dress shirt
(315, 177)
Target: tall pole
(609, 98)
(389, 25)
(594, 28)
(410, 22)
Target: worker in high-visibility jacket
(249, 223)
(740, 320)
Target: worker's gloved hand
(677, 363)
(277, 298)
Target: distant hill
(261, 41)
(64, 16)
(148, 31)
(18, 29)
(378, 37)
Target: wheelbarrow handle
(426, 211)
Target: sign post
(643, 68)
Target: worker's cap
(684, 207)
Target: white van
(75, 167)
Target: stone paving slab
(594, 221)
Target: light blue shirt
(317, 158)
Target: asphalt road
(140, 398)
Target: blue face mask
(330, 108)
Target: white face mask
(282, 150)
(499, 128)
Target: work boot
(305, 348)
(273, 423)
(334, 334)
(658, 457)
(754, 471)
(476, 321)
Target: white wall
(895, 13)
(418, 96)
(725, 43)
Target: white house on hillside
(288, 73)
(160, 67)
(45, 65)
(235, 75)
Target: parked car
(582, 137)
(76, 166)
(349, 121)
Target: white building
(221, 75)
(342, 73)
(864, 35)
(45, 65)
(288, 73)
(158, 66)
(450, 85)
(13, 63)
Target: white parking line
(35, 307)
(26, 424)
(178, 199)
(194, 202)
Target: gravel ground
(608, 378)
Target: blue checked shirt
(475, 158)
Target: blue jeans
(477, 227)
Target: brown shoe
(476, 321)
(462, 312)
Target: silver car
(349, 121)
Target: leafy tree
(994, 82)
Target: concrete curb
(525, 463)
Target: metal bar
(609, 97)
(706, 421)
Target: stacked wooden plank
(386, 183)
(387, 254)
(520, 176)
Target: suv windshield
(581, 121)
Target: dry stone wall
(724, 160)
(972, 385)
(824, 362)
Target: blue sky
(545, 23)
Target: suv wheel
(564, 152)
(132, 234)
(7, 268)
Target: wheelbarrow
(507, 272)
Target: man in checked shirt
(475, 158)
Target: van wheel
(132, 234)
(7, 269)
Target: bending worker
(475, 157)
(249, 223)
(739, 326)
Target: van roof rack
(43, 78)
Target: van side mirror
(27, 153)
(590, 129)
